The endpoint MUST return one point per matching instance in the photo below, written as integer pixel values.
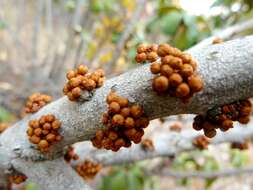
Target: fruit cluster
(44, 131)
(222, 117)
(88, 169)
(201, 142)
(146, 53)
(3, 126)
(17, 179)
(124, 123)
(70, 154)
(36, 101)
(81, 79)
(240, 145)
(175, 73)
(147, 145)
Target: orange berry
(186, 58)
(160, 84)
(34, 139)
(141, 57)
(90, 84)
(142, 122)
(195, 83)
(47, 126)
(43, 144)
(50, 137)
(56, 124)
(76, 92)
(176, 63)
(152, 56)
(182, 90)
(125, 112)
(114, 107)
(244, 120)
(74, 82)
(129, 122)
(166, 70)
(29, 131)
(117, 120)
(136, 111)
(123, 102)
(119, 142)
(210, 133)
(175, 79)
(245, 111)
(82, 69)
(70, 74)
(141, 48)
(163, 50)
(99, 135)
(112, 135)
(38, 131)
(186, 71)
(155, 67)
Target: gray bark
(226, 70)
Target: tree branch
(226, 70)
(51, 175)
(225, 34)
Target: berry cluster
(17, 179)
(124, 123)
(201, 142)
(175, 73)
(147, 145)
(240, 145)
(3, 126)
(70, 154)
(146, 53)
(177, 127)
(44, 131)
(222, 117)
(36, 101)
(88, 169)
(80, 79)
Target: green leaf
(5, 116)
(32, 186)
(209, 182)
(70, 5)
(170, 23)
(2, 25)
(133, 182)
(119, 181)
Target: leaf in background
(115, 37)
(70, 5)
(32, 186)
(97, 6)
(209, 182)
(170, 22)
(2, 25)
(239, 158)
(119, 182)
(133, 182)
(5, 116)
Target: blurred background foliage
(42, 39)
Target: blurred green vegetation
(129, 177)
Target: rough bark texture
(57, 175)
(226, 70)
